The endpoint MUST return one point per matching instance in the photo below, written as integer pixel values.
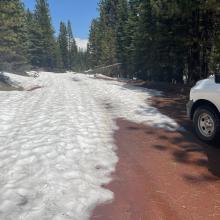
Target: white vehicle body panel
(206, 89)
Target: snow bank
(57, 147)
(19, 81)
(6, 81)
(131, 103)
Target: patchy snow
(57, 147)
(131, 102)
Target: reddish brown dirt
(176, 89)
(175, 107)
(162, 175)
(173, 102)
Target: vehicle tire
(206, 123)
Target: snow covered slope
(19, 81)
(57, 147)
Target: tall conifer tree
(72, 48)
(48, 49)
(12, 35)
(63, 44)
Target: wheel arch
(202, 102)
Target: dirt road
(161, 174)
(61, 141)
(57, 147)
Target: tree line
(159, 40)
(27, 40)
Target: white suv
(204, 108)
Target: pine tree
(63, 45)
(81, 61)
(121, 38)
(131, 35)
(48, 49)
(108, 21)
(94, 44)
(72, 48)
(35, 40)
(12, 35)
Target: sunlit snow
(57, 147)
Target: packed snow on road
(57, 148)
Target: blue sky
(79, 12)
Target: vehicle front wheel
(206, 123)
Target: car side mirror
(217, 78)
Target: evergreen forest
(28, 40)
(171, 41)
(158, 40)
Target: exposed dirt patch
(168, 88)
(162, 175)
(6, 87)
(34, 88)
(175, 107)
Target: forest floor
(163, 174)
